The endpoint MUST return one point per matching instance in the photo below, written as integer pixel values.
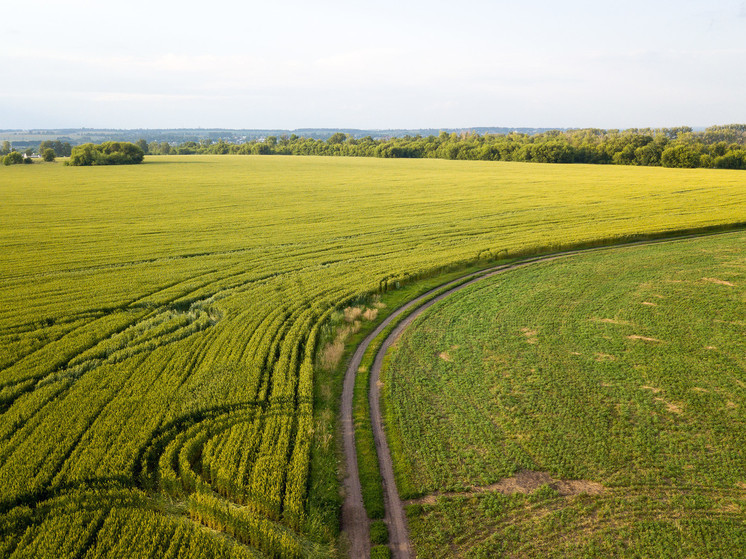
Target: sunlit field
(161, 326)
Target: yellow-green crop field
(592, 406)
(160, 327)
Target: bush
(13, 158)
(108, 153)
(48, 155)
(732, 160)
(680, 156)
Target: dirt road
(355, 522)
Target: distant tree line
(722, 147)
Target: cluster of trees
(59, 149)
(9, 156)
(15, 158)
(48, 149)
(719, 147)
(108, 153)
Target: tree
(61, 149)
(13, 158)
(6, 149)
(680, 156)
(108, 153)
(48, 155)
(142, 144)
(731, 160)
(83, 155)
(649, 155)
(336, 138)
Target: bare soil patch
(444, 356)
(719, 282)
(526, 481)
(673, 408)
(614, 321)
(600, 357)
(530, 335)
(644, 338)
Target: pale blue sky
(384, 64)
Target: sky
(377, 65)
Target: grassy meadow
(611, 384)
(162, 327)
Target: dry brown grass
(614, 321)
(352, 314)
(530, 335)
(370, 314)
(333, 351)
(719, 282)
(644, 338)
(673, 408)
(600, 357)
(653, 389)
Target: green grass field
(623, 370)
(161, 327)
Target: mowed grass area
(161, 327)
(623, 369)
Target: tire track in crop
(355, 522)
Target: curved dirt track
(355, 521)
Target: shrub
(680, 156)
(13, 158)
(48, 155)
(108, 153)
(733, 160)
